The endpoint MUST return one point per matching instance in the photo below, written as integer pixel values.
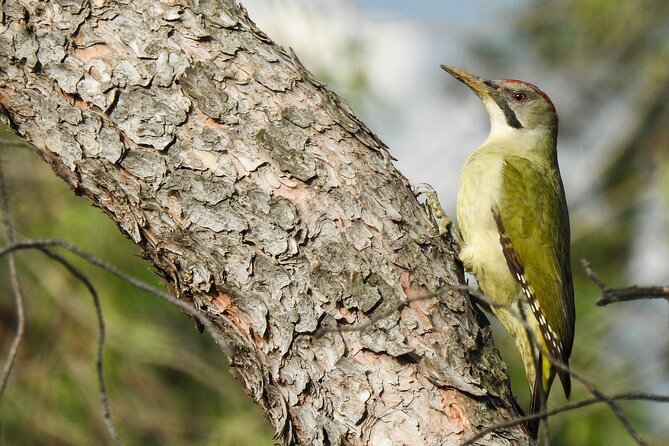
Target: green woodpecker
(514, 223)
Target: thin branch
(18, 336)
(633, 293)
(613, 405)
(611, 295)
(627, 396)
(96, 261)
(43, 245)
(593, 276)
(16, 289)
(106, 412)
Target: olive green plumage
(514, 224)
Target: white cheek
(499, 127)
(497, 117)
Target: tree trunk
(263, 201)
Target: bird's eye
(519, 96)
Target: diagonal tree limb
(264, 203)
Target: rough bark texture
(266, 203)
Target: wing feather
(533, 223)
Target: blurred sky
(383, 57)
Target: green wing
(533, 211)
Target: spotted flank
(516, 267)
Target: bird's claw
(432, 201)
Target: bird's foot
(442, 221)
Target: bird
(514, 227)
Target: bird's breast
(480, 187)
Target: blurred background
(605, 65)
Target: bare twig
(627, 396)
(16, 289)
(44, 245)
(611, 295)
(185, 306)
(593, 276)
(633, 293)
(614, 406)
(106, 412)
(18, 296)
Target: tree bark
(262, 200)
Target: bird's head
(511, 104)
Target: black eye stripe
(510, 115)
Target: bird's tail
(540, 393)
(539, 396)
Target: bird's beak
(478, 85)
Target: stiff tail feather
(538, 401)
